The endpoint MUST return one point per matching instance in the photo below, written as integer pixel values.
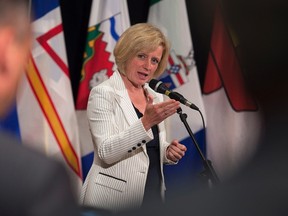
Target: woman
(126, 123)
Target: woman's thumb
(150, 99)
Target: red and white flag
(233, 121)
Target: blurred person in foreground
(30, 183)
(126, 122)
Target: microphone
(160, 87)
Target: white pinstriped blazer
(117, 178)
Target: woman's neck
(130, 86)
(136, 93)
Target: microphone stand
(209, 171)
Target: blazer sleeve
(111, 141)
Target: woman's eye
(155, 61)
(141, 56)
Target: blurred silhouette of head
(14, 48)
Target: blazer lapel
(124, 99)
(153, 93)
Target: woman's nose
(147, 64)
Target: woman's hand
(175, 151)
(154, 114)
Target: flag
(181, 75)
(108, 19)
(45, 107)
(233, 122)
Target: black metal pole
(209, 171)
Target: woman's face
(141, 68)
(14, 55)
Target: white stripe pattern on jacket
(116, 180)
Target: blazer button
(134, 148)
(129, 151)
(143, 141)
(139, 144)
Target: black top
(153, 182)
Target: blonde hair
(141, 37)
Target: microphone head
(158, 86)
(153, 83)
